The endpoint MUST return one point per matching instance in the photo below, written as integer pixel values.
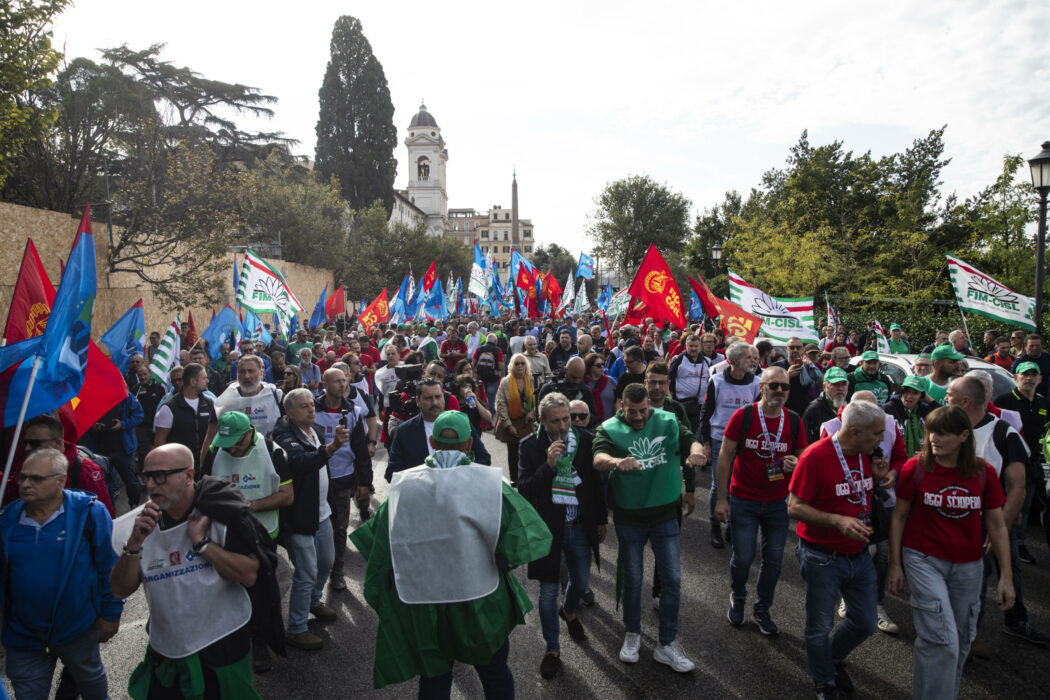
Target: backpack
(487, 365)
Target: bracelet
(134, 553)
(199, 547)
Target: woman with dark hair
(463, 387)
(842, 341)
(944, 495)
(601, 385)
(292, 378)
(464, 368)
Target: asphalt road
(730, 662)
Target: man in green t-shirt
(898, 345)
(643, 449)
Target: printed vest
(659, 481)
(254, 475)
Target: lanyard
(854, 488)
(765, 430)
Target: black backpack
(487, 365)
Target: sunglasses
(33, 443)
(580, 416)
(779, 386)
(159, 476)
(36, 478)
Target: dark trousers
(495, 676)
(123, 463)
(512, 461)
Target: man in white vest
(259, 400)
(1001, 446)
(195, 572)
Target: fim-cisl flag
(978, 293)
(167, 353)
(655, 287)
(262, 289)
(782, 318)
(479, 274)
(882, 341)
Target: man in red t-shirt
(453, 350)
(761, 450)
(831, 494)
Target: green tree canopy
(356, 136)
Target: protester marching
(225, 453)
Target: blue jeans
(716, 447)
(312, 557)
(1018, 613)
(747, 518)
(490, 394)
(578, 556)
(497, 682)
(945, 601)
(31, 672)
(123, 463)
(825, 576)
(664, 539)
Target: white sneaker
(656, 603)
(885, 623)
(842, 609)
(632, 642)
(672, 655)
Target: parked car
(897, 367)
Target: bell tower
(427, 156)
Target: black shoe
(550, 665)
(716, 536)
(1024, 555)
(587, 598)
(827, 692)
(261, 662)
(336, 582)
(1025, 631)
(843, 684)
(67, 687)
(575, 628)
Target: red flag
(103, 387)
(525, 279)
(655, 286)
(335, 304)
(430, 277)
(377, 312)
(736, 321)
(191, 335)
(707, 298)
(552, 291)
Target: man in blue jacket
(56, 559)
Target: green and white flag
(883, 342)
(978, 293)
(581, 302)
(167, 354)
(782, 317)
(262, 289)
(619, 303)
(570, 294)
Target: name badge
(775, 470)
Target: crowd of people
(926, 486)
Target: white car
(897, 367)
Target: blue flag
(127, 337)
(436, 307)
(293, 326)
(254, 329)
(236, 277)
(585, 268)
(413, 308)
(696, 310)
(606, 297)
(221, 330)
(318, 317)
(63, 347)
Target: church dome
(423, 118)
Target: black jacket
(534, 483)
(305, 462)
(896, 409)
(189, 427)
(409, 447)
(223, 503)
(818, 412)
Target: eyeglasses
(36, 478)
(779, 386)
(580, 416)
(159, 476)
(32, 443)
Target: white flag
(262, 289)
(883, 342)
(167, 354)
(582, 304)
(781, 318)
(978, 293)
(569, 294)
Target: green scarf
(444, 459)
(563, 487)
(912, 433)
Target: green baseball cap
(869, 355)
(895, 326)
(834, 375)
(946, 352)
(232, 426)
(1028, 367)
(918, 383)
(451, 420)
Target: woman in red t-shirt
(944, 495)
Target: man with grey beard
(827, 405)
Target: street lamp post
(716, 253)
(1040, 166)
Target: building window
(528, 249)
(484, 233)
(506, 216)
(506, 235)
(528, 233)
(506, 249)
(423, 169)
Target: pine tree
(355, 128)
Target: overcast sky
(702, 96)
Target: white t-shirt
(428, 428)
(324, 510)
(164, 419)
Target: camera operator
(569, 381)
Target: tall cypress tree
(355, 128)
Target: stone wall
(53, 233)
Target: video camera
(403, 397)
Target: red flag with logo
(191, 334)
(552, 291)
(103, 387)
(335, 304)
(707, 298)
(654, 285)
(430, 277)
(736, 321)
(377, 312)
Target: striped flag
(263, 289)
(883, 342)
(834, 320)
(782, 317)
(167, 354)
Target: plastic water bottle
(471, 402)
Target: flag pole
(967, 330)
(18, 426)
